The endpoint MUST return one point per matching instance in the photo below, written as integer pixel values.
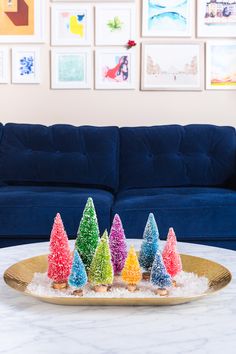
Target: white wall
(40, 104)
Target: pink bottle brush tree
(171, 256)
(118, 246)
(60, 258)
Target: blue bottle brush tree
(78, 276)
(160, 279)
(150, 245)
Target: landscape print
(220, 12)
(168, 17)
(222, 65)
(174, 67)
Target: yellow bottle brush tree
(131, 273)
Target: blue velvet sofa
(185, 175)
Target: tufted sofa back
(173, 155)
(60, 154)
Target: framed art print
(22, 21)
(115, 68)
(216, 18)
(96, 1)
(172, 66)
(115, 23)
(221, 65)
(167, 18)
(4, 67)
(71, 24)
(71, 68)
(26, 65)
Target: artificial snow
(189, 284)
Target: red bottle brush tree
(60, 258)
(171, 256)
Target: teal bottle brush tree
(78, 276)
(101, 270)
(160, 279)
(149, 246)
(88, 234)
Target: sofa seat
(193, 212)
(27, 212)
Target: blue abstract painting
(26, 65)
(169, 17)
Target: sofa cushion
(169, 156)
(86, 156)
(28, 212)
(195, 213)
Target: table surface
(28, 326)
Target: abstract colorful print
(120, 72)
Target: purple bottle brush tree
(118, 246)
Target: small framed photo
(115, 23)
(22, 21)
(167, 18)
(115, 68)
(71, 68)
(71, 24)
(26, 65)
(4, 67)
(172, 66)
(216, 18)
(221, 65)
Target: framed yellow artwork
(22, 21)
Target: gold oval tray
(19, 275)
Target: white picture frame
(94, 1)
(172, 66)
(71, 68)
(4, 65)
(221, 65)
(212, 23)
(115, 68)
(26, 65)
(167, 18)
(71, 24)
(35, 20)
(115, 23)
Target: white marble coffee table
(28, 326)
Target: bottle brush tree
(149, 246)
(159, 276)
(88, 234)
(171, 256)
(59, 259)
(101, 270)
(118, 247)
(78, 276)
(131, 273)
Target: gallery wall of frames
(184, 45)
